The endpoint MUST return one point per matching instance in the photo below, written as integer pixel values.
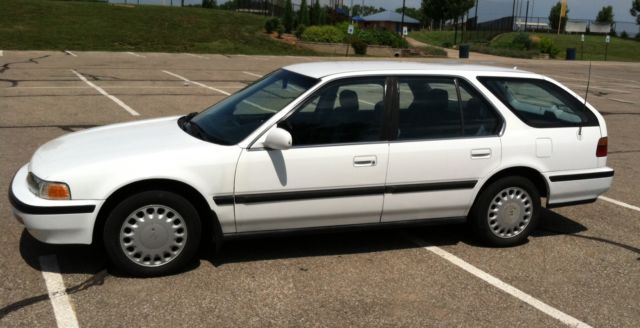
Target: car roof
(322, 69)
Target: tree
(315, 13)
(441, 10)
(554, 16)
(303, 14)
(635, 11)
(413, 13)
(605, 15)
(209, 4)
(287, 19)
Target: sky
(487, 9)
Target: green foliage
(554, 16)
(605, 15)
(325, 33)
(359, 10)
(624, 35)
(303, 14)
(433, 51)
(315, 13)
(24, 26)
(380, 37)
(413, 13)
(271, 24)
(635, 11)
(287, 19)
(548, 47)
(209, 4)
(359, 46)
(299, 31)
(522, 41)
(505, 52)
(439, 10)
(280, 31)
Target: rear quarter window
(540, 103)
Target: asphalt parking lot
(581, 267)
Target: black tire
(164, 202)
(488, 229)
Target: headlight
(48, 189)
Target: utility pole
(526, 17)
(402, 20)
(476, 24)
(513, 15)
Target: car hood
(103, 146)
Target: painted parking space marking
(62, 310)
(106, 94)
(70, 53)
(1, 53)
(619, 203)
(197, 83)
(252, 74)
(197, 56)
(509, 289)
(135, 54)
(622, 100)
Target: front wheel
(506, 212)
(152, 233)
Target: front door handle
(359, 161)
(480, 153)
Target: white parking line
(197, 56)
(197, 83)
(622, 100)
(104, 93)
(617, 202)
(252, 74)
(366, 102)
(62, 310)
(70, 53)
(543, 307)
(1, 53)
(135, 54)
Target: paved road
(583, 261)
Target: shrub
(280, 31)
(547, 47)
(359, 46)
(522, 41)
(624, 35)
(433, 51)
(325, 33)
(505, 52)
(381, 37)
(271, 25)
(300, 30)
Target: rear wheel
(506, 212)
(152, 233)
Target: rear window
(540, 103)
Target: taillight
(603, 144)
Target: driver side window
(346, 111)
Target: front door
(334, 174)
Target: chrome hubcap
(509, 212)
(153, 235)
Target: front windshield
(234, 118)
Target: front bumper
(52, 221)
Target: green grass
(60, 25)
(594, 46)
(436, 38)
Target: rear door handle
(359, 161)
(480, 153)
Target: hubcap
(153, 235)
(509, 212)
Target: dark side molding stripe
(344, 192)
(30, 209)
(583, 176)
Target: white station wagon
(321, 145)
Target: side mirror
(278, 139)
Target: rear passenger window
(431, 108)
(540, 103)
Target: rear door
(446, 140)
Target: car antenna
(586, 94)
